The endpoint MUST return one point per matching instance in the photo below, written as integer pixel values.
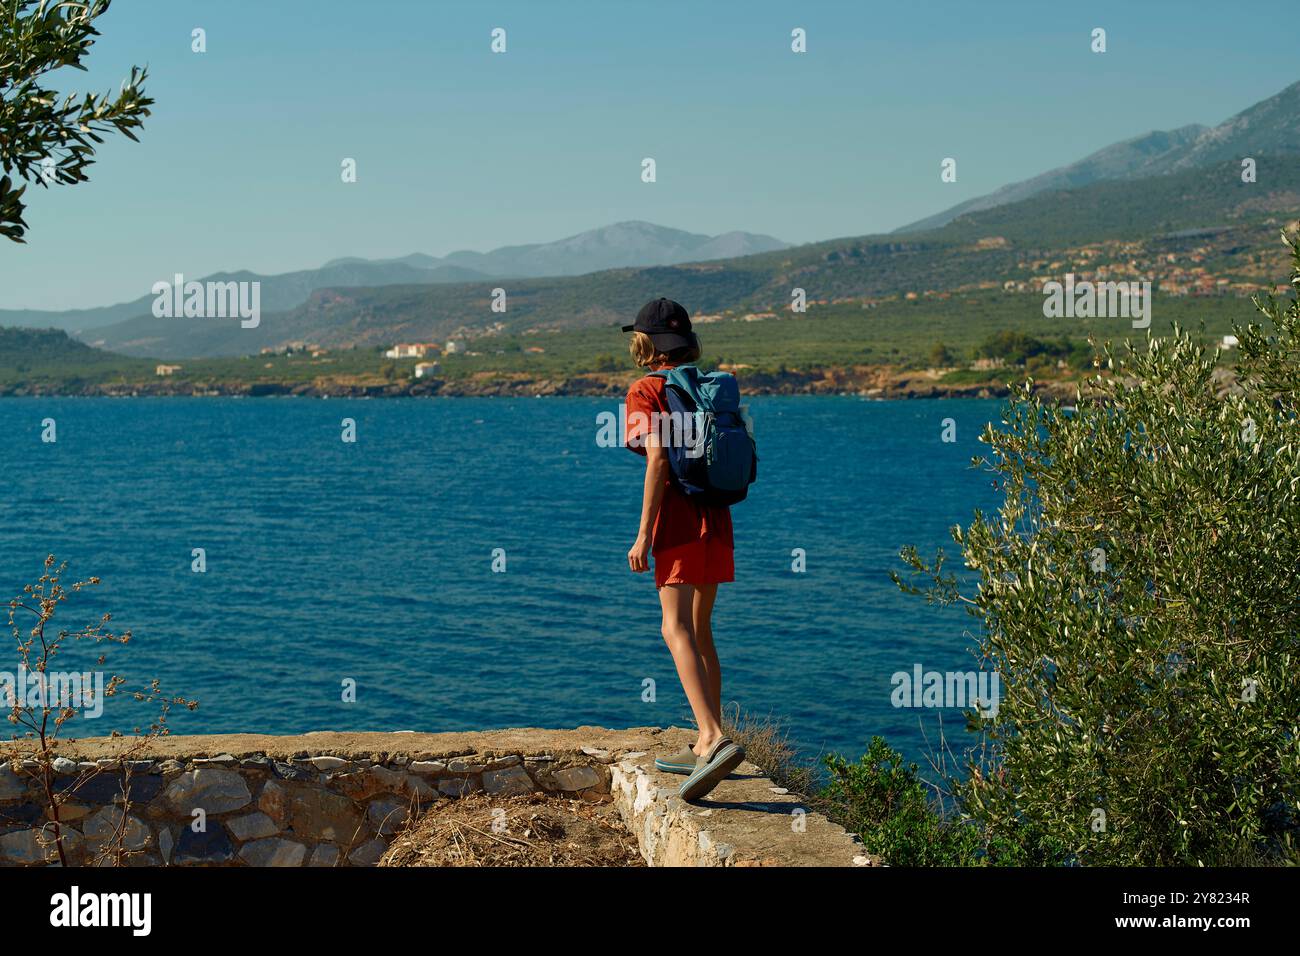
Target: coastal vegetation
(1137, 591)
(950, 333)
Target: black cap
(667, 324)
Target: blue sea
(329, 562)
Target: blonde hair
(644, 353)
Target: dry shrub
(767, 746)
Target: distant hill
(1134, 209)
(278, 292)
(1270, 127)
(41, 346)
(622, 244)
(1166, 213)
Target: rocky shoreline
(864, 381)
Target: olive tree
(44, 137)
(1138, 591)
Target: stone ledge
(746, 821)
(366, 744)
(338, 798)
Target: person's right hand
(638, 557)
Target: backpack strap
(686, 378)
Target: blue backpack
(716, 461)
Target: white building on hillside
(410, 350)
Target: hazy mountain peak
(633, 242)
(1270, 127)
(618, 245)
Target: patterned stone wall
(338, 798)
(255, 810)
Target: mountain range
(1164, 189)
(1270, 127)
(622, 244)
(1206, 216)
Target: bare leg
(702, 618)
(677, 601)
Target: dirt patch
(533, 830)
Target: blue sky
(458, 148)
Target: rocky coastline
(864, 381)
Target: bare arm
(652, 498)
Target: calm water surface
(372, 561)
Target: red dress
(691, 543)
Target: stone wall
(746, 821)
(337, 799)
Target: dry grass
(767, 746)
(532, 830)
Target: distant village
(1179, 274)
(1172, 273)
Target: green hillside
(51, 355)
(948, 330)
(1226, 227)
(1141, 209)
(23, 349)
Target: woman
(692, 548)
